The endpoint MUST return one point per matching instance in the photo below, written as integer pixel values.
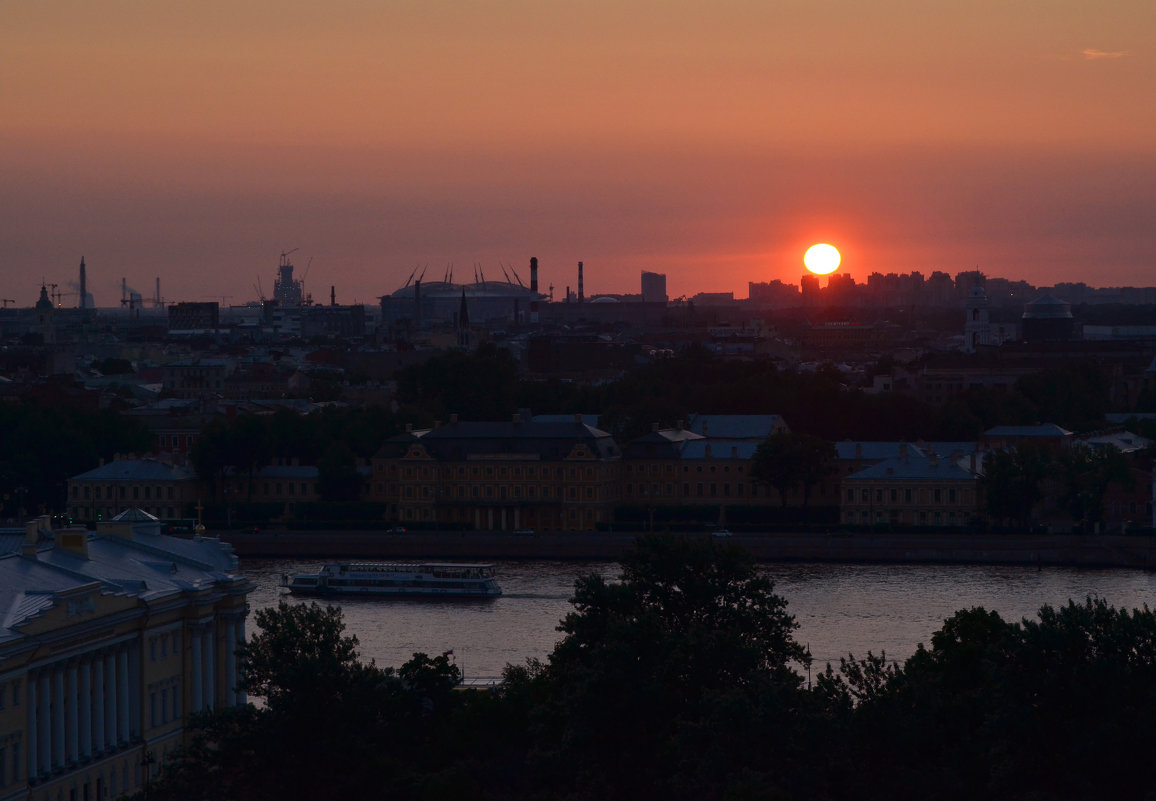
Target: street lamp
(147, 761)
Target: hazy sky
(713, 141)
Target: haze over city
(711, 142)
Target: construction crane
(6, 301)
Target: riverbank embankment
(946, 548)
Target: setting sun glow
(822, 259)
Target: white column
(85, 709)
(45, 713)
(134, 693)
(230, 662)
(195, 680)
(33, 728)
(123, 729)
(58, 716)
(211, 666)
(241, 698)
(99, 724)
(71, 715)
(111, 733)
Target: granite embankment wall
(1075, 551)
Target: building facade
(108, 642)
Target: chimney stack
(580, 294)
(533, 273)
(83, 286)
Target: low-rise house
(559, 476)
(910, 490)
(165, 490)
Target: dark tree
(1012, 482)
(789, 460)
(672, 681)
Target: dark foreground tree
(1061, 707)
(329, 725)
(673, 682)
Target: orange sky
(711, 141)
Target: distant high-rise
(288, 292)
(654, 287)
(83, 285)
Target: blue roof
(736, 426)
(1042, 430)
(873, 451)
(913, 468)
(726, 449)
(138, 470)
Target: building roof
(550, 440)
(865, 451)
(1022, 432)
(719, 449)
(144, 566)
(737, 426)
(913, 468)
(138, 470)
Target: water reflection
(840, 609)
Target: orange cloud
(1096, 55)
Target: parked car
(721, 532)
(396, 530)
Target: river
(840, 609)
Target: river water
(840, 609)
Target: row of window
(924, 495)
(491, 492)
(12, 776)
(163, 643)
(489, 471)
(277, 488)
(112, 491)
(164, 705)
(12, 687)
(908, 518)
(108, 512)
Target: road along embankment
(1074, 551)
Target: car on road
(721, 533)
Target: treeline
(333, 440)
(683, 680)
(41, 447)
(485, 385)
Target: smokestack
(580, 282)
(332, 295)
(157, 299)
(123, 290)
(83, 286)
(533, 273)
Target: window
(907, 495)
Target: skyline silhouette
(710, 143)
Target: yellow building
(108, 642)
(526, 474)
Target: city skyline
(712, 144)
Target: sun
(822, 259)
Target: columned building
(108, 642)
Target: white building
(108, 642)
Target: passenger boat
(436, 579)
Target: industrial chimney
(580, 295)
(533, 273)
(83, 286)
